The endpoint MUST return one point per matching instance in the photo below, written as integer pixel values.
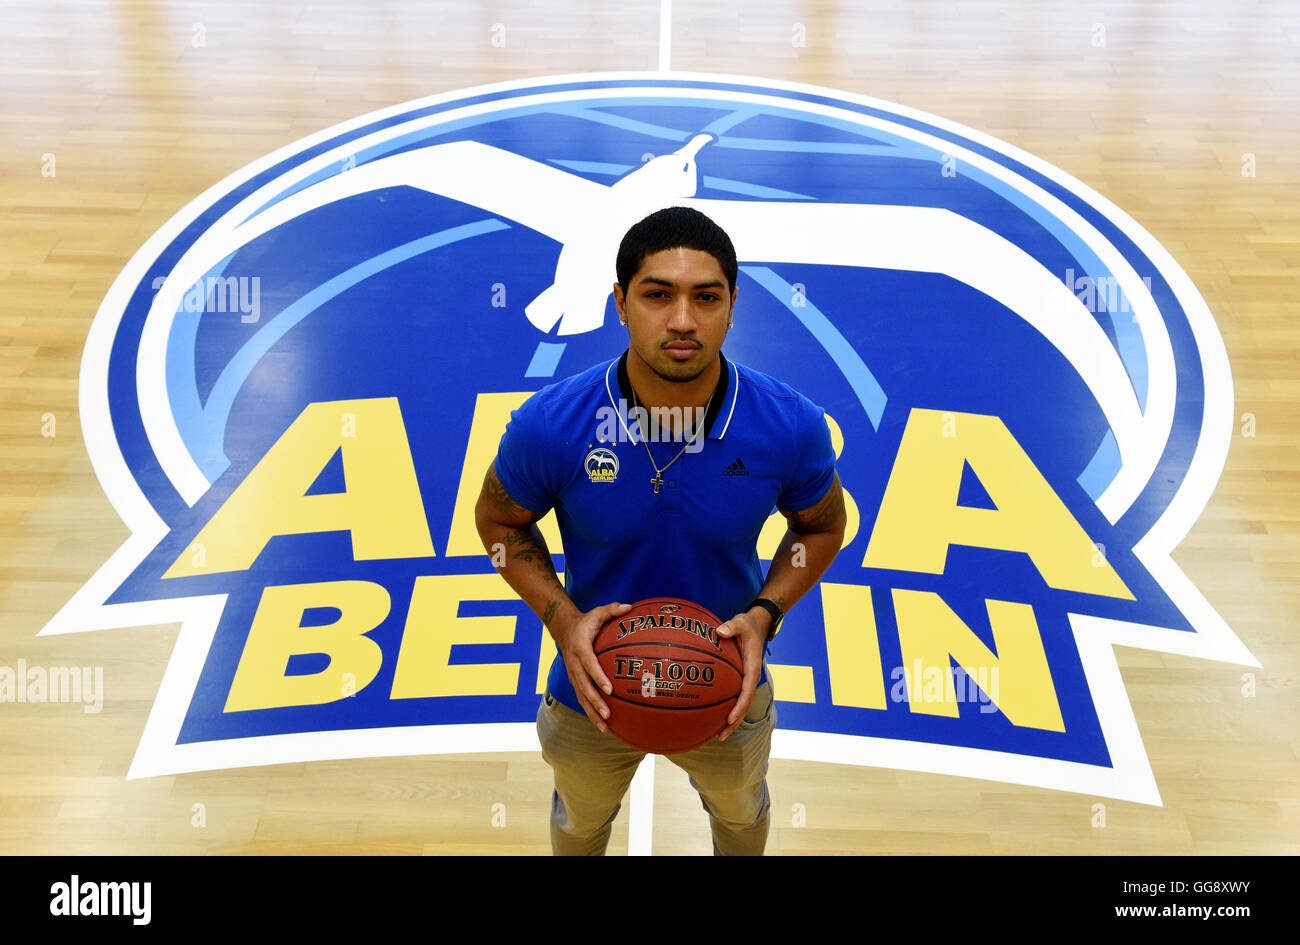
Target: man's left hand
(750, 632)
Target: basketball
(674, 679)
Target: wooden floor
(1183, 114)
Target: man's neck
(654, 391)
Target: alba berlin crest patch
(601, 465)
(292, 391)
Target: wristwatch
(772, 609)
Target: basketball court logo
(299, 466)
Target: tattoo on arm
(500, 500)
(522, 545)
(523, 541)
(825, 516)
(505, 524)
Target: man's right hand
(574, 640)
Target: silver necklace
(658, 479)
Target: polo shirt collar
(721, 408)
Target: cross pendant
(657, 481)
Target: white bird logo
(577, 298)
(589, 219)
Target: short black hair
(668, 229)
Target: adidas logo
(736, 469)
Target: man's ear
(618, 303)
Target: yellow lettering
(792, 683)
(919, 516)
(381, 507)
(277, 634)
(424, 667)
(852, 647)
(929, 634)
(545, 657)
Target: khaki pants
(593, 770)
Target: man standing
(672, 509)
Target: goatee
(678, 380)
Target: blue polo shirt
(576, 447)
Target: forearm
(799, 563)
(522, 558)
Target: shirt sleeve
(523, 458)
(813, 462)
